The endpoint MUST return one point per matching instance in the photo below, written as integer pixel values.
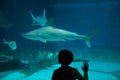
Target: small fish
(49, 55)
(11, 44)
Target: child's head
(65, 57)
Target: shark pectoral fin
(43, 40)
(87, 42)
(63, 40)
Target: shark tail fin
(44, 13)
(33, 17)
(89, 37)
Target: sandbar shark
(50, 33)
(39, 20)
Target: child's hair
(65, 57)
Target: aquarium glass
(32, 32)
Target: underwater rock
(116, 74)
(4, 58)
(33, 67)
(14, 64)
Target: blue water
(79, 16)
(99, 72)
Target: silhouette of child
(65, 72)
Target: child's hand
(85, 66)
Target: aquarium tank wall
(32, 32)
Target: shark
(50, 33)
(39, 20)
